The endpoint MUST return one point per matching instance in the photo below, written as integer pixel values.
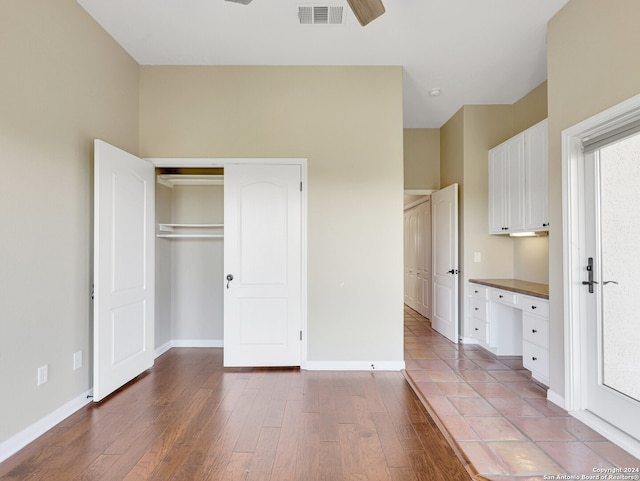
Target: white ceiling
(475, 51)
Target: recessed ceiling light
(435, 92)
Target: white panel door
(612, 175)
(262, 259)
(123, 306)
(444, 218)
(425, 258)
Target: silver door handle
(229, 279)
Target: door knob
(229, 279)
(452, 271)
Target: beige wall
(421, 159)
(485, 127)
(64, 81)
(452, 150)
(530, 109)
(591, 67)
(464, 142)
(354, 151)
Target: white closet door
(123, 309)
(262, 258)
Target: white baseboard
(16, 443)
(555, 398)
(613, 434)
(353, 365)
(162, 349)
(188, 343)
(468, 340)
(197, 343)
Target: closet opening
(189, 261)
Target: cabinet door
(536, 175)
(498, 190)
(515, 184)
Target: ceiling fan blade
(366, 10)
(243, 2)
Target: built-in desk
(510, 317)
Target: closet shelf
(190, 231)
(190, 236)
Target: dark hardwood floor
(190, 419)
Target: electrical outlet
(43, 374)
(77, 360)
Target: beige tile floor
(496, 417)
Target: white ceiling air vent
(320, 15)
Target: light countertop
(516, 285)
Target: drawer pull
(477, 329)
(534, 307)
(534, 358)
(476, 308)
(534, 330)
(500, 296)
(475, 292)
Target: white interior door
(444, 318)
(262, 259)
(612, 176)
(123, 306)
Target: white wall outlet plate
(77, 360)
(43, 374)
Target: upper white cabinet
(518, 192)
(536, 155)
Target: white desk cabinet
(508, 323)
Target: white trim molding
(354, 366)
(574, 254)
(160, 350)
(16, 443)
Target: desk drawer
(535, 305)
(477, 291)
(535, 330)
(478, 309)
(536, 359)
(479, 330)
(504, 297)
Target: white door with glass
(262, 262)
(611, 278)
(123, 306)
(444, 218)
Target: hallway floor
(496, 417)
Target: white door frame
(205, 162)
(574, 255)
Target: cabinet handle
(546, 224)
(534, 307)
(476, 308)
(534, 358)
(500, 296)
(475, 292)
(534, 330)
(477, 329)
